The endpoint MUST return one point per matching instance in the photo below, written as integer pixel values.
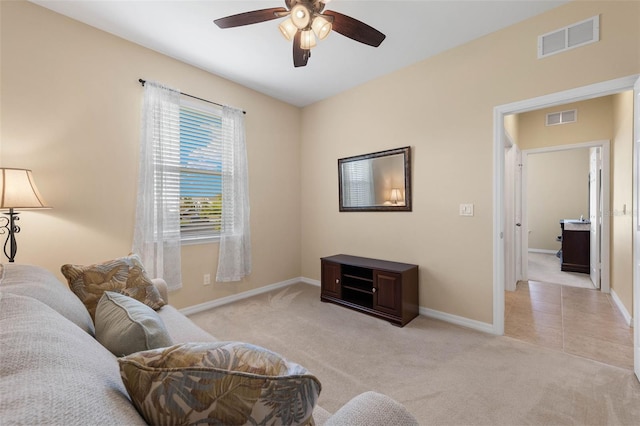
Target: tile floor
(574, 320)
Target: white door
(509, 219)
(595, 209)
(636, 229)
(518, 214)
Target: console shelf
(387, 290)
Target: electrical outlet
(207, 279)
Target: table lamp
(17, 191)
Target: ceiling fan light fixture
(300, 16)
(321, 27)
(288, 29)
(307, 40)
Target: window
(358, 184)
(200, 172)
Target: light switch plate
(466, 209)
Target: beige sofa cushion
(372, 408)
(40, 284)
(125, 325)
(54, 373)
(227, 382)
(182, 329)
(124, 275)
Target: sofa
(53, 370)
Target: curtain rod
(191, 96)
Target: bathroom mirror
(380, 181)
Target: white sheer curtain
(234, 259)
(157, 227)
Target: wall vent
(569, 37)
(562, 117)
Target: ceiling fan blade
(354, 29)
(248, 18)
(300, 55)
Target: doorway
(573, 95)
(555, 200)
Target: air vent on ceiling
(562, 117)
(569, 37)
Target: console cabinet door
(330, 279)
(387, 296)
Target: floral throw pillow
(124, 275)
(227, 383)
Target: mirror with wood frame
(380, 181)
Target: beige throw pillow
(125, 326)
(228, 383)
(124, 275)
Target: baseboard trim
(545, 251)
(457, 320)
(310, 281)
(236, 297)
(627, 317)
(431, 313)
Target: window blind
(200, 172)
(358, 182)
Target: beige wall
(557, 183)
(622, 199)
(443, 108)
(557, 188)
(595, 122)
(605, 118)
(511, 127)
(71, 112)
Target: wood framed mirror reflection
(379, 181)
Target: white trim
(457, 320)
(605, 242)
(545, 251)
(593, 91)
(310, 281)
(627, 316)
(555, 148)
(568, 96)
(240, 296)
(636, 228)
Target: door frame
(499, 112)
(604, 219)
(636, 228)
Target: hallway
(574, 320)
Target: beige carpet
(444, 374)
(545, 267)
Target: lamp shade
(321, 27)
(300, 16)
(288, 29)
(396, 195)
(18, 190)
(307, 40)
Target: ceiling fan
(307, 20)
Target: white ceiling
(257, 56)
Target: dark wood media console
(387, 290)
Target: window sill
(192, 241)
